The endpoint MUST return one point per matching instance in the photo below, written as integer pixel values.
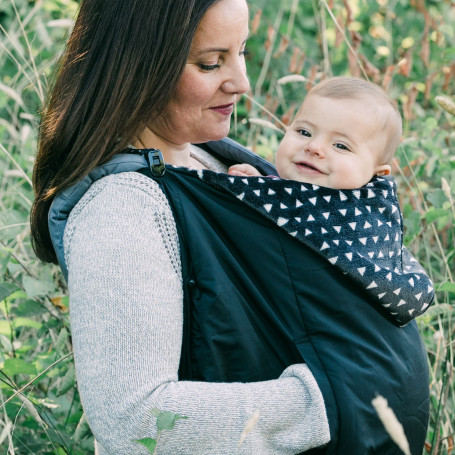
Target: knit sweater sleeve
(126, 307)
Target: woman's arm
(126, 308)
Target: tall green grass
(406, 46)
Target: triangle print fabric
(359, 231)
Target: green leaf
(18, 366)
(6, 343)
(437, 198)
(149, 443)
(26, 322)
(7, 289)
(412, 224)
(81, 430)
(434, 214)
(68, 381)
(156, 412)
(61, 340)
(34, 287)
(5, 328)
(166, 420)
(30, 308)
(442, 309)
(447, 287)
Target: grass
(406, 46)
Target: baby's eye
(341, 146)
(304, 133)
(208, 67)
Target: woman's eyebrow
(212, 49)
(215, 49)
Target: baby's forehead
(366, 107)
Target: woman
(161, 74)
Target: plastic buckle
(154, 159)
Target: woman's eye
(245, 52)
(304, 133)
(208, 67)
(341, 146)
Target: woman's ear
(384, 169)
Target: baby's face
(333, 143)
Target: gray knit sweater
(126, 306)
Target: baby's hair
(353, 88)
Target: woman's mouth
(225, 109)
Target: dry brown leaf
(409, 105)
(428, 84)
(425, 43)
(270, 34)
(370, 69)
(450, 445)
(284, 43)
(387, 78)
(256, 21)
(447, 71)
(349, 15)
(288, 116)
(405, 64)
(297, 60)
(58, 302)
(339, 37)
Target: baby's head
(346, 131)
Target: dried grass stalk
(249, 427)
(391, 424)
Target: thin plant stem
(264, 109)
(29, 48)
(35, 378)
(433, 227)
(27, 178)
(337, 25)
(325, 47)
(268, 55)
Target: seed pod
(446, 103)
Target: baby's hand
(244, 170)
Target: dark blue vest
(257, 300)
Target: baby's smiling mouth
(307, 167)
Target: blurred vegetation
(407, 46)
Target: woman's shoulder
(123, 209)
(121, 204)
(125, 191)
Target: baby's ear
(384, 169)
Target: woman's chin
(215, 134)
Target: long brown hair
(121, 65)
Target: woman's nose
(237, 80)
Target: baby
(346, 131)
(335, 195)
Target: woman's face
(201, 107)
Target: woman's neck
(175, 154)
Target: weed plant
(407, 46)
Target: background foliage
(407, 46)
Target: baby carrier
(257, 299)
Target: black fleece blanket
(359, 231)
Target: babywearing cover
(359, 231)
(257, 300)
